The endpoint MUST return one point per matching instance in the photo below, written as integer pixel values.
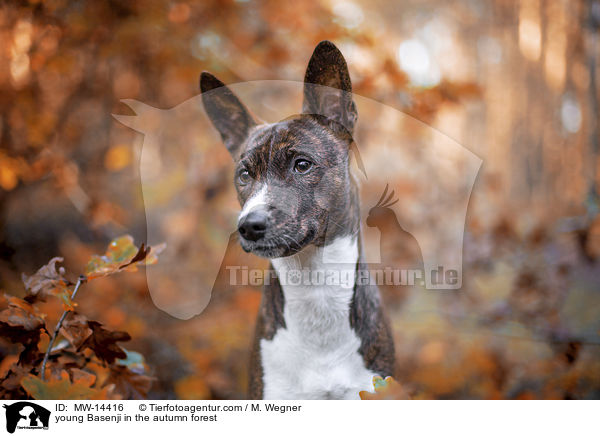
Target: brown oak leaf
(44, 278)
(10, 384)
(49, 281)
(75, 329)
(20, 322)
(104, 342)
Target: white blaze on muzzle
(258, 199)
(275, 195)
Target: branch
(82, 279)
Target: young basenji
(314, 339)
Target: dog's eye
(244, 177)
(302, 166)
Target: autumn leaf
(139, 256)
(120, 251)
(20, 322)
(18, 312)
(104, 342)
(385, 389)
(62, 388)
(101, 372)
(128, 383)
(10, 384)
(81, 376)
(50, 281)
(153, 252)
(122, 254)
(129, 376)
(75, 329)
(45, 278)
(144, 256)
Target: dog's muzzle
(254, 225)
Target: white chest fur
(316, 355)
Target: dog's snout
(254, 225)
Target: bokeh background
(515, 82)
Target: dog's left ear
(327, 86)
(226, 111)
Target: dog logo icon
(26, 415)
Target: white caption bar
(295, 417)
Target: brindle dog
(301, 210)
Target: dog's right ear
(226, 111)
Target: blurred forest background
(514, 81)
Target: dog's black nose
(254, 225)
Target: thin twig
(82, 279)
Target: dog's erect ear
(327, 86)
(226, 111)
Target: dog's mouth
(268, 251)
(274, 247)
(265, 248)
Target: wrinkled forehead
(270, 143)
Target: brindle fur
(269, 320)
(323, 133)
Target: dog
(300, 209)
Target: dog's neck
(317, 309)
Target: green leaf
(61, 389)
(121, 254)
